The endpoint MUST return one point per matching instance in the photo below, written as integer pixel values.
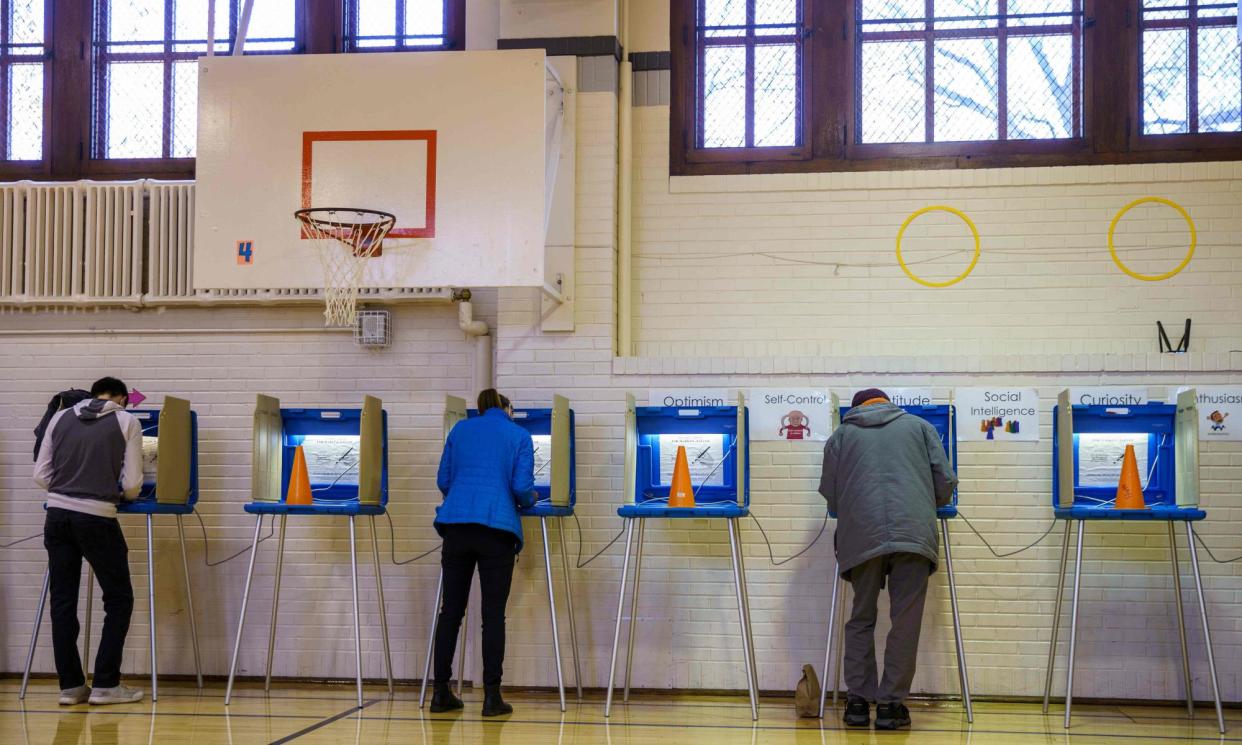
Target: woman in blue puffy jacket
(486, 473)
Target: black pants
(494, 552)
(70, 536)
(906, 575)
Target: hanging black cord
(271, 531)
(22, 540)
(772, 557)
(1211, 555)
(392, 545)
(1006, 555)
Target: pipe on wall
(625, 185)
(482, 377)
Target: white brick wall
(1046, 322)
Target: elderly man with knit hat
(885, 473)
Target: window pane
(190, 25)
(724, 97)
(26, 112)
(781, 15)
(776, 95)
(27, 24)
(424, 22)
(185, 109)
(892, 87)
(1165, 79)
(966, 14)
(271, 26)
(1220, 80)
(966, 90)
(135, 101)
(1039, 12)
(724, 12)
(1041, 87)
(136, 21)
(377, 18)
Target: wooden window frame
(454, 28)
(1110, 100)
(25, 168)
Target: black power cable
(1006, 555)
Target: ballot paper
(704, 453)
(332, 459)
(1100, 455)
(543, 459)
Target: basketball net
(345, 238)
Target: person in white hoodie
(90, 459)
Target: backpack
(62, 400)
(806, 695)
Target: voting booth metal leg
(629, 644)
(1073, 643)
(616, 632)
(34, 636)
(155, 689)
(271, 631)
(461, 649)
(1181, 620)
(1207, 632)
(569, 605)
(1056, 616)
(86, 639)
(741, 567)
(743, 617)
(556, 638)
(837, 683)
(431, 639)
(832, 626)
(379, 590)
(962, 672)
(353, 578)
(189, 604)
(241, 619)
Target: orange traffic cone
(1129, 488)
(681, 493)
(299, 480)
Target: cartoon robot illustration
(1218, 420)
(795, 426)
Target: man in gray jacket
(885, 472)
(90, 459)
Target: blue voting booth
(944, 418)
(169, 487)
(718, 451)
(552, 434)
(1088, 444)
(346, 453)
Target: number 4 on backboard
(245, 253)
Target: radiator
(131, 243)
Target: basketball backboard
(451, 143)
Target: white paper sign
(704, 453)
(1100, 456)
(150, 458)
(543, 459)
(904, 396)
(997, 413)
(1220, 411)
(789, 414)
(331, 459)
(690, 397)
(1108, 396)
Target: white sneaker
(122, 694)
(75, 696)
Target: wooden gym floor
(321, 714)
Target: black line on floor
(325, 722)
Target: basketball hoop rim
(307, 215)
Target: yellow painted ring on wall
(938, 208)
(1194, 239)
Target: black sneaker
(857, 712)
(892, 716)
(493, 704)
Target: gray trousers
(907, 589)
